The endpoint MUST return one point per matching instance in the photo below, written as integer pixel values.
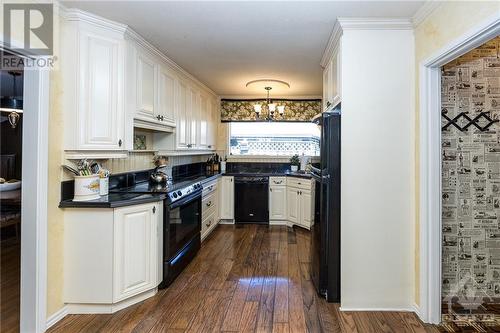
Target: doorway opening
(11, 146)
(470, 140)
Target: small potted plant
(295, 162)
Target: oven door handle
(193, 196)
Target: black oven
(181, 234)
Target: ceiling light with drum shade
(12, 104)
(269, 106)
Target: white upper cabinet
(115, 81)
(181, 116)
(332, 79)
(154, 93)
(146, 83)
(212, 124)
(166, 96)
(203, 120)
(193, 115)
(93, 81)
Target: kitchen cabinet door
(212, 123)
(327, 83)
(277, 203)
(203, 120)
(135, 249)
(336, 77)
(166, 98)
(293, 204)
(226, 202)
(146, 87)
(193, 111)
(306, 209)
(181, 116)
(101, 121)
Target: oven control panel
(180, 193)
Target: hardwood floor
(9, 285)
(245, 279)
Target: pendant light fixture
(12, 104)
(269, 104)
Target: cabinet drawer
(301, 183)
(209, 187)
(209, 204)
(277, 181)
(208, 223)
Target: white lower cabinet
(226, 200)
(300, 201)
(293, 204)
(112, 256)
(209, 208)
(277, 203)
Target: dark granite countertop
(114, 200)
(120, 199)
(269, 174)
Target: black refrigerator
(325, 232)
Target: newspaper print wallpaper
(295, 110)
(471, 183)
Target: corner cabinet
(300, 201)
(92, 67)
(226, 201)
(112, 256)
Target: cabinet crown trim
(353, 23)
(361, 23)
(333, 43)
(134, 36)
(74, 14)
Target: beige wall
(447, 23)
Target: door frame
(34, 189)
(430, 163)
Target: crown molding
(348, 23)
(134, 36)
(332, 44)
(424, 11)
(74, 14)
(77, 15)
(277, 97)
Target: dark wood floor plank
(249, 317)
(296, 318)
(244, 279)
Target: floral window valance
(243, 110)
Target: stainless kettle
(159, 175)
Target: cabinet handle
(299, 183)
(154, 210)
(161, 118)
(209, 203)
(270, 190)
(300, 192)
(209, 146)
(328, 103)
(158, 117)
(120, 142)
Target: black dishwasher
(251, 199)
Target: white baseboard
(77, 308)
(416, 309)
(57, 316)
(226, 222)
(374, 309)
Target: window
(274, 138)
